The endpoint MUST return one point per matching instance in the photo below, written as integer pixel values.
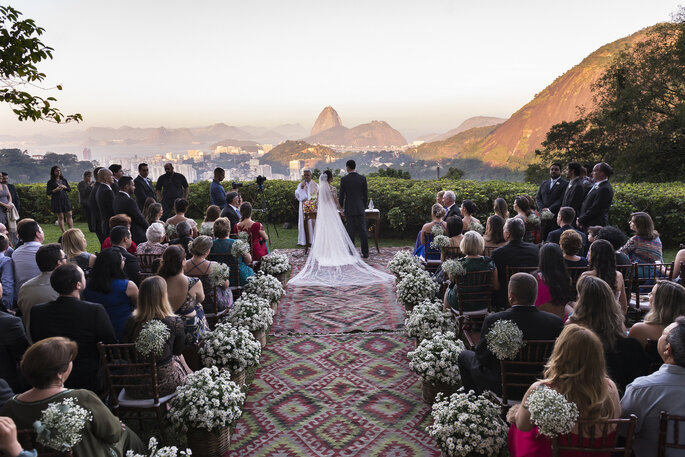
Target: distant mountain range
(470, 123)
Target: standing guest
(85, 187)
(6, 274)
(155, 235)
(354, 197)
(554, 283)
(105, 201)
(565, 218)
(75, 249)
(171, 186)
(500, 208)
(24, 257)
(217, 193)
(5, 203)
(180, 208)
(114, 221)
(183, 234)
(58, 188)
(94, 220)
(595, 208)
(666, 303)
(664, 390)
(449, 203)
(5, 179)
(124, 204)
(13, 344)
(117, 173)
(39, 289)
(256, 230)
(213, 213)
(645, 245)
(154, 214)
(617, 238)
(143, 186)
(602, 264)
(198, 265)
(571, 243)
(574, 194)
(222, 244)
(306, 190)
(437, 213)
(109, 287)
(438, 197)
(524, 210)
(677, 272)
(467, 209)
(122, 242)
(84, 322)
(550, 194)
(494, 232)
(232, 209)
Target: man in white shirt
(24, 257)
(305, 191)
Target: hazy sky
(420, 65)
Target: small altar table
(371, 214)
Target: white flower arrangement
(466, 424)
(230, 348)
(415, 287)
(404, 262)
(551, 411)
(437, 230)
(453, 268)
(426, 319)
(239, 248)
(264, 285)
(477, 227)
(207, 229)
(166, 451)
(275, 264)
(218, 274)
(243, 236)
(440, 241)
(170, 230)
(546, 215)
(504, 339)
(61, 424)
(435, 359)
(208, 400)
(152, 338)
(532, 219)
(252, 312)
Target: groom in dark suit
(354, 196)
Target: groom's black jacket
(354, 194)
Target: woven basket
(238, 377)
(209, 444)
(260, 335)
(429, 390)
(409, 307)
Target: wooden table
(371, 214)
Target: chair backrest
(682, 273)
(474, 290)
(655, 360)
(628, 272)
(676, 442)
(646, 275)
(574, 274)
(606, 441)
(428, 250)
(520, 373)
(125, 368)
(146, 260)
(452, 252)
(487, 250)
(232, 262)
(27, 439)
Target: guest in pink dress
(255, 229)
(554, 283)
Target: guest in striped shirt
(645, 245)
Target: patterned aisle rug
(339, 310)
(335, 395)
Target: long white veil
(333, 259)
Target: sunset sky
(423, 66)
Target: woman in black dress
(58, 188)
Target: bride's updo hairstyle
(329, 173)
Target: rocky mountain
(468, 144)
(297, 150)
(328, 119)
(470, 123)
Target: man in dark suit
(232, 209)
(93, 204)
(121, 241)
(143, 186)
(595, 208)
(574, 194)
(84, 322)
(123, 203)
(105, 202)
(354, 196)
(13, 344)
(516, 253)
(565, 218)
(117, 173)
(480, 369)
(549, 196)
(451, 207)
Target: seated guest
(39, 289)
(213, 213)
(232, 208)
(223, 244)
(255, 229)
(155, 233)
(185, 294)
(437, 213)
(180, 208)
(183, 233)
(5, 394)
(598, 310)
(153, 213)
(24, 257)
(571, 243)
(153, 304)
(666, 303)
(467, 209)
(75, 249)
(114, 221)
(81, 321)
(109, 287)
(494, 232)
(198, 265)
(6, 274)
(455, 230)
(565, 220)
(554, 283)
(47, 366)
(677, 272)
(516, 253)
(576, 369)
(480, 370)
(471, 246)
(500, 208)
(645, 245)
(663, 390)
(617, 238)
(593, 232)
(121, 242)
(524, 209)
(148, 201)
(601, 260)
(13, 344)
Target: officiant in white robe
(305, 191)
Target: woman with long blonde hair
(75, 248)
(576, 369)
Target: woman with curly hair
(602, 264)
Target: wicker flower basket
(429, 390)
(205, 443)
(409, 307)
(238, 377)
(284, 278)
(260, 335)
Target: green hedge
(664, 201)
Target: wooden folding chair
(487, 250)
(645, 276)
(682, 273)
(146, 261)
(520, 373)
(588, 440)
(27, 439)
(452, 252)
(574, 274)
(677, 442)
(211, 302)
(431, 264)
(652, 352)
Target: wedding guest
(257, 233)
(217, 193)
(39, 289)
(597, 202)
(117, 172)
(171, 186)
(574, 194)
(645, 245)
(549, 196)
(449, 203)
(149, 201)
(105, 200)
(679, 259)
(565, 218)
(425, 235)
(222, 244)
(516, 253)
(75, 247)
(125, 204)
(666, 303)
(155, 234)
(199, 266)
(494, 232)
(501, 208)
(57, 188)
(524, 211)
(116, 221)
(24, 257)
(571, 243)
(94, 221)
(438, 197)
(664, 390)
(213, 213)
(143, 187)
(85, 187)
(13, 344)
(455, 230)
(593, 232)
(6, 274)
(576, 369)
(122, 242)
(617, 238)
(180, 208)
(232, 209)
(154, 214)
(183, 232)
(467, 209)
(554, 283)
(602, 264)
(597, 310)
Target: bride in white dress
(333, 259)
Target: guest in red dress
(255, 229)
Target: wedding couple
(333, 259)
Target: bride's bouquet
(311, 205)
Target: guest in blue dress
(223, 244)
(425, 235)
(108, 286)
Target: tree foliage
(20, 52)
(391, 173)
(22, 168)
